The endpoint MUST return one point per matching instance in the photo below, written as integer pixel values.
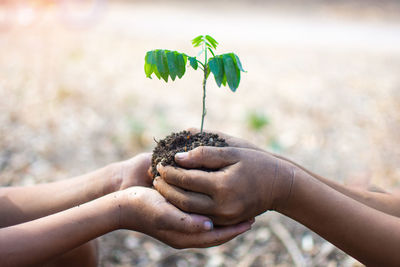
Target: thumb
(208, 157)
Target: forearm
(367, 234)
(38, 241)
(384, 202)
(22, 204)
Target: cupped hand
(145, 210)
(132, 172)
(243, 183)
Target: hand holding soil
(243, 184)
(145, 210)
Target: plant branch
(204, 89)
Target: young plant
(226, 68)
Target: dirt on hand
(184, 141)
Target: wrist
(116, 205)
(109, 208)
(112, 176)
(282, 186)
(127, 204)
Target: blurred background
(322, 88)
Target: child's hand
(145, 210)
(131, 172)
(245, 183)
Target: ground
(322, 76)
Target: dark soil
(181, 142)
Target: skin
(22, 204)
(84, 208)
(247, 181)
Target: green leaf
(156, 72)
(209, 45)
(181, 66)
(232, 55)
(172, 64)
(148, 66)
(231, 72)
(148, 69)
(197, 45)
(212, 41)
(197, 39)
(151, 60)
(149, 57)
(161, 63)
(238, 63)
(209, 49)
(193, 62)
(216, 65)
(224, 80)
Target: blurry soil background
(322, 88)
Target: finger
(179, 221)
(247, 225)
(193, 180)
(208, 157)
(228, 233)
(215, 237)
(185, 200)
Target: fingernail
(158, 166)
(181, 156)
(155, 181)
(208, 226)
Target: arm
(22, 204)
(51, 236)
(371, 236)
(246, 183)
(384, 202)
(137, 208)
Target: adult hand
(145, 210)
(243, 184)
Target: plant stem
(204, 89)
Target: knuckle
(196, 153)
(231, 212)
(229, 153)
(182, 179)
(222, 188)
(185, 204)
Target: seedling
(226, 68)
